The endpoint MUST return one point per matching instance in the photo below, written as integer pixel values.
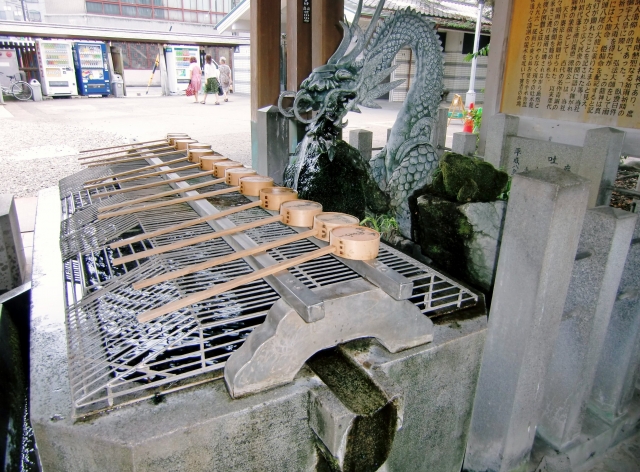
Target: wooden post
(298, 45)
(326, 32)
(265, 54)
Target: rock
(343, 184)
(465, 179)
(463, 240)
(481, 249)
(441, 232)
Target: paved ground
(39, 137)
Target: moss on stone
(467, 179)
(441, 232)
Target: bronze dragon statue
(353, 77)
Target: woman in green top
(211, 76)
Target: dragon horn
(348, 34)
(358, 48)
(344, 45)
(363, 39)
(374, 22)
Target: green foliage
(481, 52)
(386, 225)
(507, 190)
(476, 116)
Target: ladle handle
(186, 224)
(132, 159)
(153, 197)
(127, 152)
(163, 182)
(223, 287)
(198, 239)
(175, 201)
(124, 145)
(143, 176)
(106, 178)
(223, 259)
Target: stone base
(597, 438)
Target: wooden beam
(298, 45)
(326, 32)
(265, 54)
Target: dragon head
(332, 89)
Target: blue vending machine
(92, 69)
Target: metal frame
(114, 360)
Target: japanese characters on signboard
(574, 60)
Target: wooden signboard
(574, 60)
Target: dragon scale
(408, 160)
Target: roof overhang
(240, 15)
(47, 30)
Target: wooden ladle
(323, 223)
(270, 198)
(218, 168)
(355, 243)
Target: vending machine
(183, 55)
(92, 68)
(8, 66)
(55, 60)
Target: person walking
(195, 78)
(225, 78)
(212, 79)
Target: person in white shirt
(212, 79)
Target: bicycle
(18, 89)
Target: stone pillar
(599, 162)
(362, 140)
(326, 32)
(12, 258)
(499, 127)
(464, 143)
(265, 61)
(604, 244)
(501, 24)
(273, 143)
(614, 382)
(542, 227)
(439, 136)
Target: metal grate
(114, 359)
(433, 293)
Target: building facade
(22, 10)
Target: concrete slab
(26, 208)
(202, 428)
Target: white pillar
(471, 94)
